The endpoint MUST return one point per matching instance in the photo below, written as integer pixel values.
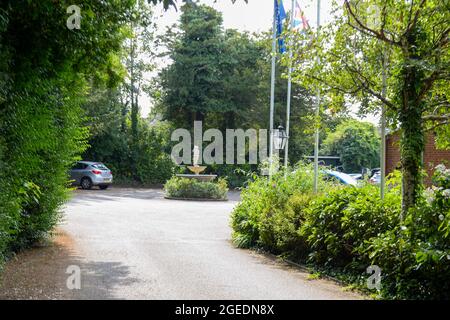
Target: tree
(226, 75)
(192, 84)
(168, 3)
(46, 71)
(412, 38)
(356, 143)
(138, 59)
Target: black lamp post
(280, 138)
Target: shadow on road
(114, 194)
(40, 274)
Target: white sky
(254, 16)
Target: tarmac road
(134, 244)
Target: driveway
(134, 244)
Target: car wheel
(86, 183)
(104, 187)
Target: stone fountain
(197, 170)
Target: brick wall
(431, 157)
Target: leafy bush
(259, 218)
(237, 175)
(340, 221)
(42, 143)
(191, 188)
(46, 71)
(144, 162)
(287, 224)
(415, 255)
(344, 230)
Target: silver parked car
(376, 178)
(88, 174)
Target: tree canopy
(411, 39)
(356, 143)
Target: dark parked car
(88, 174)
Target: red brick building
(431, 157)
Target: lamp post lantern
(280, 138)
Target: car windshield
(100, 166)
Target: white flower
(440, 168)
(441, 217)
(446, 193)
(429, 195)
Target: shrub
(143, 162)
(339, 222)
(287, 224)
(41, 143)
(245, 217)
(267, 210)
(411, 268)
(190, 188)
(45, 75)
(415, 255)
(237, 175)
(346, 229)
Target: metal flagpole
(272, 89)
(383, 131)
(288, 109)
(316, 139)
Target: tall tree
(192, 83)
(138, 59)
(356, 143)
(412, 39)
(232, 82)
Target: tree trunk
(411, 123)
(228, 121)
(199, 116)
(231, 120)
(134, 118)
(412, 146)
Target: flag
(280, 15)
(300, 21)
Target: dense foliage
(194, 189)
(409, 40)
(266, 203)
(344, 230)
(44, 81)
(140, 156)
(356, 143)
(46, 74)
(223, 78)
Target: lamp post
(280, 138)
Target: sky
(254, 16)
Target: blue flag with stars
(280, 15)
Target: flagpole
(288, 108)
(272, 88)
(383, 131)
(316, 138)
